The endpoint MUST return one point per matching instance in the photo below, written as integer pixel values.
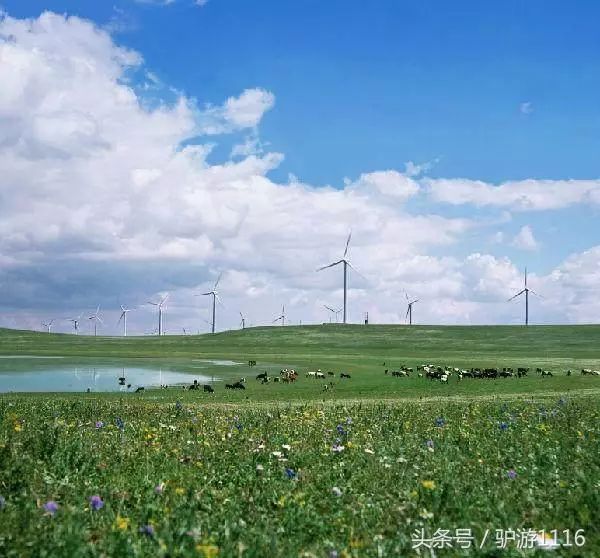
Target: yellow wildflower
(428, 484)
(122, 523)
(208, 550)
(179, 491)
(18, 427)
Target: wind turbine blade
(536, 294)
(356, 271)
(123, 314)
(99, 319)
(330, 265)
(518, 294)
(164, 299)
(406, 295)
(407, 311)
(347, 243)
(525, 277)
(329, 308)
(415, 300)
(153, 303)
(122, 307)
(219, 300)
(217, 281)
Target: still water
(50, 374)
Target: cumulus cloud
(525, 240)
(237, 113)
(108, 198)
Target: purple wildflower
(96, 503)
(503, 426)
(178, 405)
(120, 424)
(99, 424)
(147, 530)
(439, 422)
(340, 430)
(159, 488)
(51, 507)
(511, 474)
(429, 444)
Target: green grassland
(293, 470)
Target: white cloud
(525, 240)
(100, 203)
(237, 113)
(524, 195)
(526, 107)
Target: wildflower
(179, 491)
(341, 430)
(290, 473)
(276, 454)
(51, 507)
(18, 427)
(336, 491)
(369, 450)
(503, 426)
(120, 424)
(208, 550)
(96, 503)
(286, 447)
(511, 474)
(147, 530)
(259, 469)
(439, 422)
(562, 401)
(336, 448)
(99, 424)
(349, 420)
(430, 445)
(2, 502)
(159, 488)
(178, 405)
(428, 484)
(122, 523)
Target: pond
(19, 374)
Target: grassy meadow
(362, 469)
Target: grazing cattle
(237, 385)
(320, 375)
(262, 376)
(546, 373)
(568, 372)
(400, 373)
(311, 374)
(208, 389)
(251, 363)
(342, 375)
(586, 372)
(385, 371)
(331, 373)
(138, 390)
(242, 380)
(276, 379)
(444, 378)
(595, 372)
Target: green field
(293, 470)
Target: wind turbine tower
(214, 293)
(160, 305)
(346, 264)
(96, 318)
(281, 317)
(48, 325)
(75, 322)
(123, 317)
(409, 309)
(525, 290)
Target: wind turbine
(243, 322)
(526, 290)
(124, 318)
(409, 309)
(75, 322)
(48, 325)
(96, 317)
(216, 297)
(160, 312)
(346, 265)
(281, 317)
(335, 312)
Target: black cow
(138, 390)
(342, 375)
(208, 389)
(262, 376)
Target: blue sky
(367, 86)
(502, 92)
